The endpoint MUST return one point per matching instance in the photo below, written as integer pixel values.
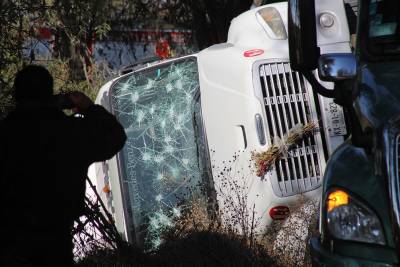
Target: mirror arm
(317, 86)
(344, 98)
(359, 137)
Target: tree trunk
(220, 13)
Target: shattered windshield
(163, 165)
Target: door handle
(244, 135)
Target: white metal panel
(335, 39)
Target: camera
(62, 101)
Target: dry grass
(228, 238)
(265, 160)
(287, 241)
(197, 240)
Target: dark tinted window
(383, 27)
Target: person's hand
(80, 101)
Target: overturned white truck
(192, 123)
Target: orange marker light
(106, 189)
(336, 199)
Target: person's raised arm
(99, 133)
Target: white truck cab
(193, 122)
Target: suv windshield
(383, 27)
(163, 163)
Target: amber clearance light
(336, 199)
(271, 17)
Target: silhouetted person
(44, 158)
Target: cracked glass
(163, 164)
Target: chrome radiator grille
(289, 101)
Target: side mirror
(303, 48)
(337, 67)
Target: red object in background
(162, 49)
(45, 33)
(90, 44)
(253, 52)
(279, 212)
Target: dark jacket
(44, 159)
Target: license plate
(336, 124)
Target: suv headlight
(349, 219)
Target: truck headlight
(271, 21)
(349, 219)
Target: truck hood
(227, 76)
(228, 98)
(379, 92)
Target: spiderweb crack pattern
(161, 169)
